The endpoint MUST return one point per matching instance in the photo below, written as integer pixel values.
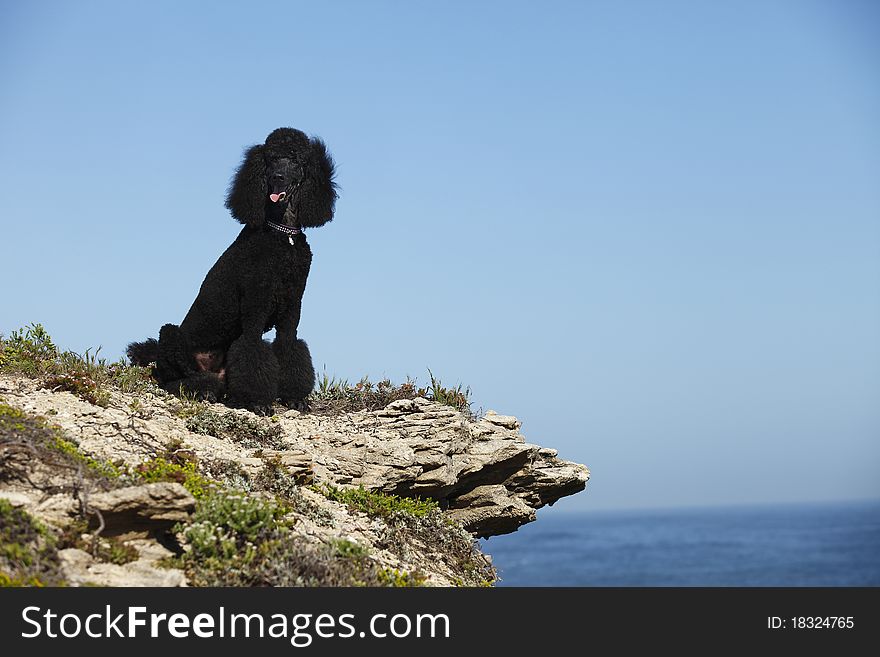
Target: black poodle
(218, 352)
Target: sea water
(833, 544)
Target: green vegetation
(36, 453)
(28, 351)
(85, 376)
(105, 549)
(113, 550)
(11, 418)
(380, 505)
(26, 440)
(237, 427)
(31, 352)
(333, 396)
(28, 556)
(350, 549)
(457, 397)
(443, 541)
(240, 540)
(227, 525)
(274, 478)
(416, 524)
(239, 536)
(75, 454)
(243, 532)
(397, 578)
(176, 464)
(236, 539)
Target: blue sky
(650, 230)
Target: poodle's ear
(246, 197)
(317, 198)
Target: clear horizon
(708, 507)
(651, 232)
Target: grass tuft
(333, 396)
(457, 397)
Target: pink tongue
(274, 197)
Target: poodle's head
(289, 180)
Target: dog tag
(290, 239)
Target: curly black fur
(218, 352)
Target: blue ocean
(793, 545)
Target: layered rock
(483, 472)
(146, 509)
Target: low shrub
(31, 352)
(376, 504)
(237, 427)
(28, 556)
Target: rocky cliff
(387, 496)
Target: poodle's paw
(261, 409)
(301, 405)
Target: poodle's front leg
(297, 377)
(251, 374)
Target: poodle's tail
(143, 353)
